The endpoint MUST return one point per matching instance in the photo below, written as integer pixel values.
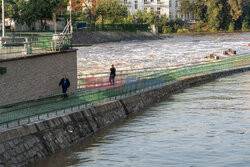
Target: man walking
(65, 84)
(112, 75)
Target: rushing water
(173, 50)
(206, 125)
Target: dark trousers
(64, 92)
(112, 79)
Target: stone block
(65, 119)
(6, 156)
(11, 134)
(31, 128)
(41, 125)
(2, 149)
(51, 123)
(22, 131)
(91, 121)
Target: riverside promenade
(94, 90)
(35, 129)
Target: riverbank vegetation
(210, 15)
(218, 15)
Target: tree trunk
(54, 19)
(41, 22)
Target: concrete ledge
(27, 144)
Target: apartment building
(169, 8)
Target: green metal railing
(20, 45)
(98, 90)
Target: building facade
(169, 8)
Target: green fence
(116, 27)
(95, 89)
(25, 44)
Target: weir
(28, 143)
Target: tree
(152, 17)
(47, 9)
(186, 7)
(236, 8)
(112, 11)
(26, 12)
(217, 11)
(141, 17)
(200, 10)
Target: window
(170, 3)
(152, 0)
(158, 1)
(145, 1)
(158, 11)
(136, 4)
(170, 15)
(176, 3)
(125, 1)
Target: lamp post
(70, 14)
(3, 19)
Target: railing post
(27, 46)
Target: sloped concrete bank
(107, 36)
(25, 145)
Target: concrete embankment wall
(27, 144)
(36, 76)
(106, 36)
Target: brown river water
(171, 51)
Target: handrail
(144, 80)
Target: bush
(231, 27)
(200, 30)
(213, 29)
(167, 29)
(244, 25)
(182, 30)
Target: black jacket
(66, 85)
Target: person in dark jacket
(112, 75)
(65, 84)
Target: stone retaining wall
(27, 144)
(106, 36)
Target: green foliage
(231, 27)
(236, 8)
(140, 17)
(167, 29)
(130, 19)
(182, 30)
(199, 10)
(185, 6)
(199, 27)
(111, 11)
(217, 14)
(30, 11)
(245, 25)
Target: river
(172, 50)
(207, 125)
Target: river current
(207, 125)
(171, 51)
